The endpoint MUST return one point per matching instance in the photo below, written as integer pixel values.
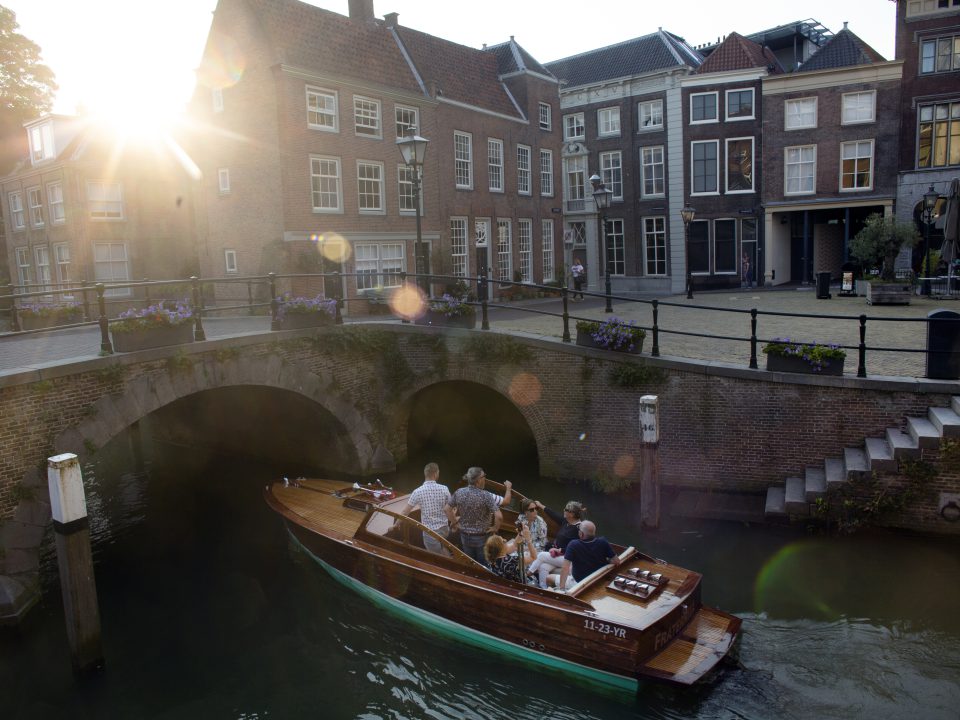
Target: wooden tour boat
(640, 620)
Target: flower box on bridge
(146, 338)
(301, 321)
(438, 319)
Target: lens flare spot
(223, 64)
(624, 466)
(582, 437)
(331, 246)
(525, 389)
(409, 302)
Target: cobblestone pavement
(890, 327)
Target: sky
(124, 55)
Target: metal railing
(265, 293)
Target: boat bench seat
(600, 572)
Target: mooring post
(650, 461)
(75, 559)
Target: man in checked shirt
(431, 497)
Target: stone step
(855, 462)
(795, 497)
(835, 473)
(880, 455)
(815, 483)
(775, 506)
(924, 432)
(902, 444)
(946, 421)
(955, 404)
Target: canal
(209, 613)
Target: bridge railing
(81, 304)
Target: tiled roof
(650, 53)
(509, 53)
(739, 53)
(843, 50)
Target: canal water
(208, 612)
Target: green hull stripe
(473, 637)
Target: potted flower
(877, 245)
(294, 313)
(449, 311)
(611, 334)
(38, 316)
(786, 355)
(165, 323)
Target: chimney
(391, 19)
(361, 10)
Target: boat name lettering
(604, 629)
(665, 636)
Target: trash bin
(823, 286)
(943, 345)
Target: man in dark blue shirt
(586, 555)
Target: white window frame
(616, 247)
(917, 8)
(23, 266)
(547, 251)
(216, 99)
(112, 209)
(546, 116)
(798, 103)
(726, 166)
(35, 206)
(61, 257)
(316, 166)
(524, 170)
(481, 232)
(406, 193)
(950, 42)
(573, 127)
(367, 117)
(575, 179)
(459, 252)
(223, 180)
(943, 150)
(390, 260)
(504, 250)
(55, 203)
(716, 108)
(716, 144)
(463, 160)
(648, 171)
(608, 122)
(857, 110)
(495, 175)
(655, 239)
(652, 109)
(611, 173)
(859, 144)
(230, 261)
(318, 112)
(525, 249)
(113, 263)
(402, 123)
(375, 190)
(41, 143)
(17, 216)
(753, 104)
(800, 163)
(546, 173)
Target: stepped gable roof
(458, 72)
(842, 50)
(512, 58)
(739, 53)
(650, 53)
(312, 38)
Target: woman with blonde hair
(503, 556)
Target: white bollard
(650, 461)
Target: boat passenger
(475, 513)
(586, 555)
(431, 498)
(550, 561)
(536, 525)
(503, 556)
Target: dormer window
(41, 143)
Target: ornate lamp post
(688, 213)
(413, 148)
(602, 195)
(929, 202)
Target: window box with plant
(296, 313)
(165, 323)
(877, 246)
(611, 334)
(449, 311)
(786, 355)
(39, 316)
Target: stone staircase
(795, 497)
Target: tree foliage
(879, 243)
(27, 87)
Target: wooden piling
(650, 461)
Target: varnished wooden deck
(316, 503)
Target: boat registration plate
(604, 628)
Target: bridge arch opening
(458, 424)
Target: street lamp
(929, 202)
(688, 213)
(413, 148)
(602, 195)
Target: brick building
(300, 109)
